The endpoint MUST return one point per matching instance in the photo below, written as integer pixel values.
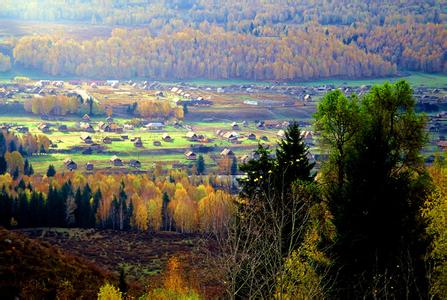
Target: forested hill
(249, 39)
(231, 13)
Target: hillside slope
(35, 270)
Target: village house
(138, 143)
(87, 127)
(192, 136)
(281, 134)
(154, 126)
(63, 128)
(87, 139)
(442, 145)
(135, 163)
(45, 128)
(235, 126)
(245, 123)
(89, 166)
(157, 143)
(22, 129)
(159, 94)
(251, 136)
(227, 153)
(264, 138)
(116, 128)
(70, 164)
(107, 140)
(166, 137)
(307, 136)
(116, 161)
(232, 137)
(124, 137)
(109, 120)
(86, 118)
(104, 127)
(190, 155)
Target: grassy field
(226, 108)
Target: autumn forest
(278, 41)
(223, 149)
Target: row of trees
(304, 53)
(53, 105)
(371, 225)
(112, 201)
(158, 110)
(26, 144)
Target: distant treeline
(231, 14)
(302, 54)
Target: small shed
(70, 164)
(251, 136)
(116, 161)
(87, 139)
(89, 166)
(227, 153)
(138, 143)
(192, 136)
(235, 126)
(135, 163)
(166, 137)
(86, 118)
(190, 155)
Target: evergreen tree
(12, 146)
(3, 164)
(79, 209)
(42, 149)
(30, 170)
(122, 207)
(22, 210)
(233, 168)
(35, 218)
(292, 158)
(22, 150)
(86, 208)
(122, 282)
(94, 209)
(3, 148)
(21, 185)
(26, 167)
(51, 171)
(380, 240)
(164, 212)
(200, 165)
(16, 174)
(6, 208)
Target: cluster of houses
(225, 153)
(114, 160)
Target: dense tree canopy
(381, 191)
